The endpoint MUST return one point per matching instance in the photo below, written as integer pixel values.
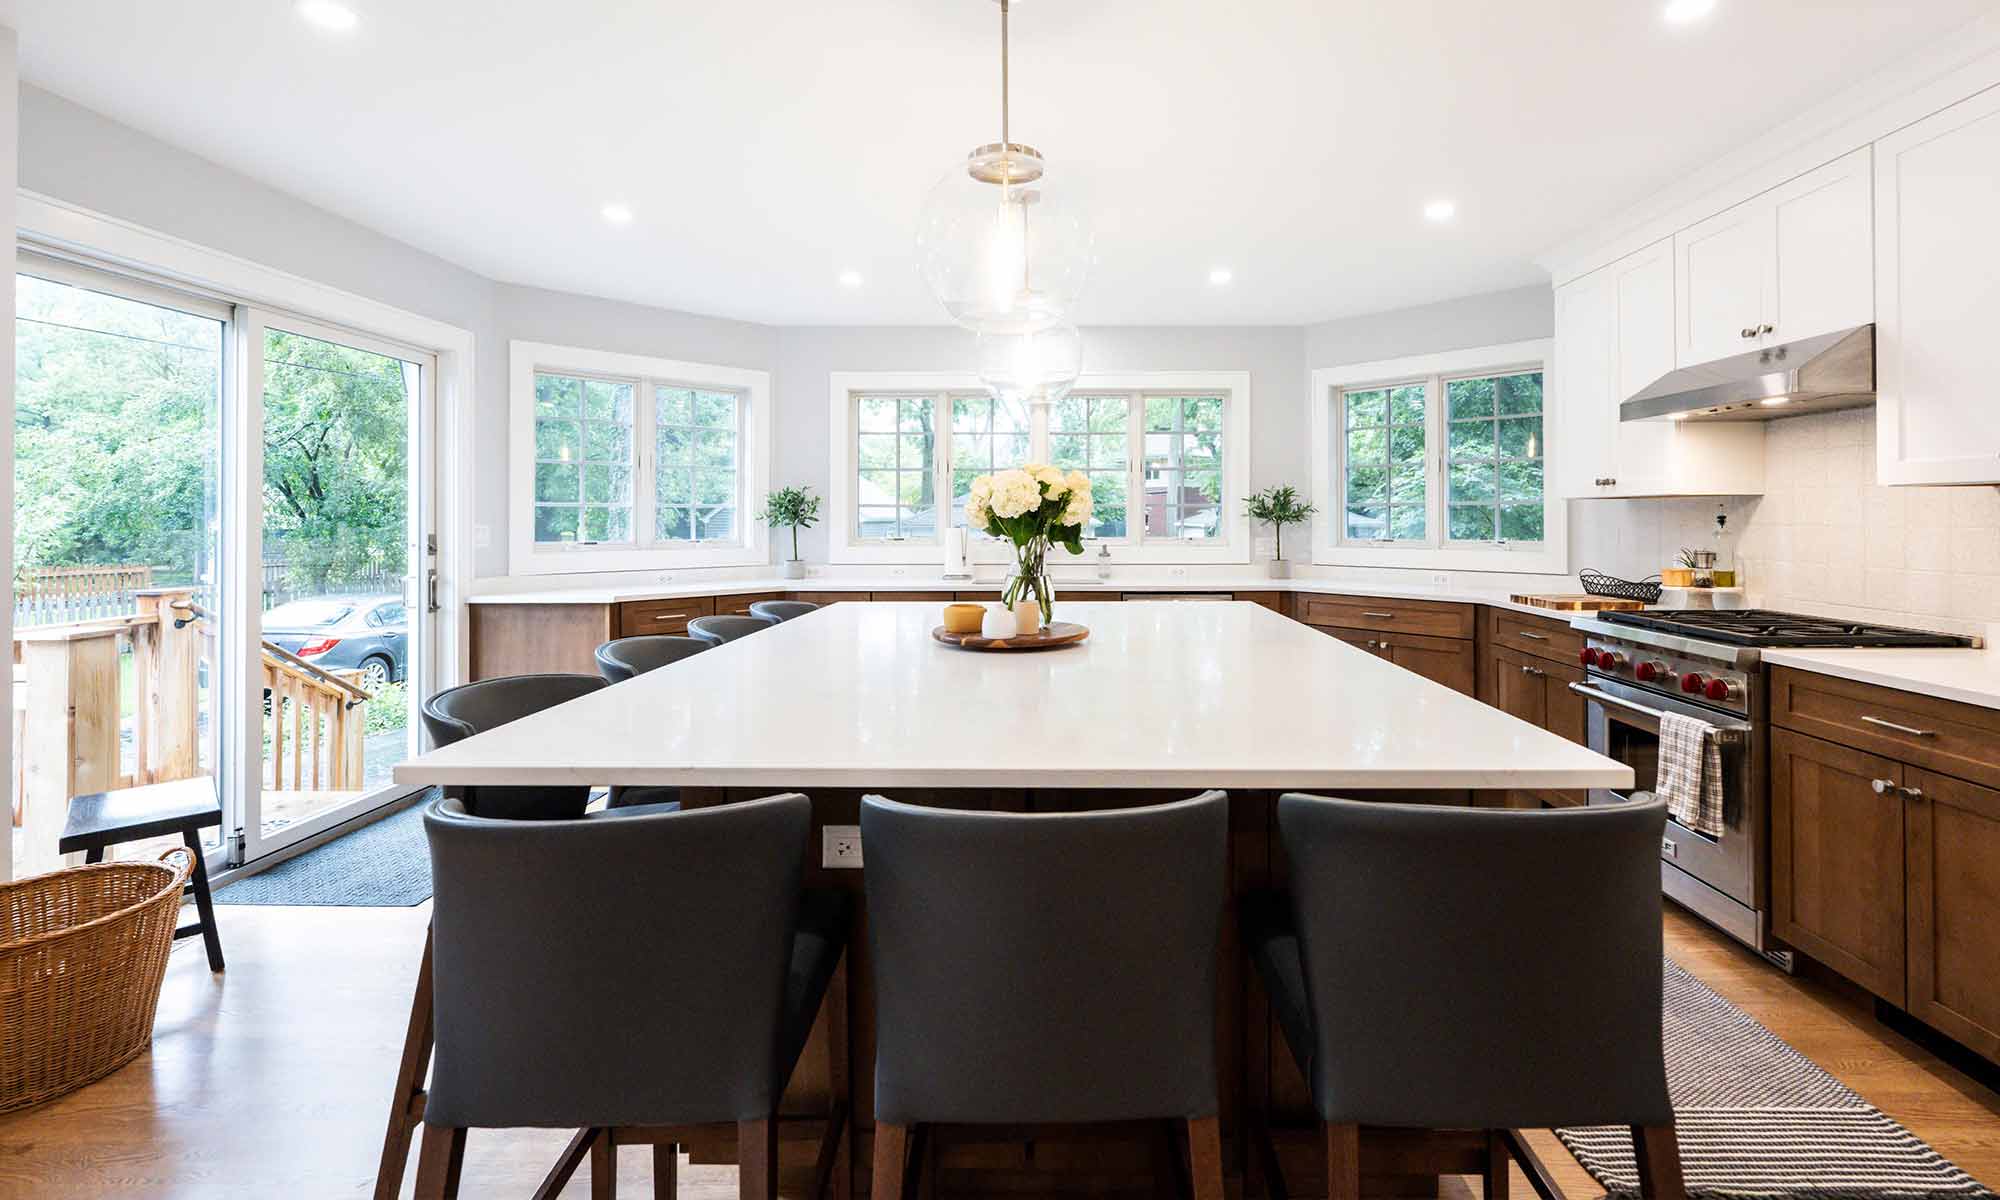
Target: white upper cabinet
(1793, 262)
(1614, 336)
(1937, 233)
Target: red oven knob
(1723, 689)
(1610, 660)
(1589, 656)
(1650, 671)
(1693, 683)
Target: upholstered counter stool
(1094, 1002)
(1513, 967)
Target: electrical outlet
(840, 847)
(1441, 580)
(482, 536)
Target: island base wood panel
(1257, 1072)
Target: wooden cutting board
(1579, 602)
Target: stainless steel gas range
(1707, 664)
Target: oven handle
(1725, 733)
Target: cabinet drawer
(987, 597)
(739, 606)
(1539, 636)
(1429, 618)
(1449, 661)
(825, 598)
(913, 597)
(1275, 601)
(1940, 735)
(662, 616)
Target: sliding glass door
(344, 621)
(223, 558)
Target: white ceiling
(766, 147)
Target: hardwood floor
(274, 1079)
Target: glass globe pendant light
(1002, 250)
(1031, 367)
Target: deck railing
(70, 728)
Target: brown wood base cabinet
(1885, 846)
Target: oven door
(1624, 724)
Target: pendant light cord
(1006, 146)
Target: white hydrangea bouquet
(1033, 507)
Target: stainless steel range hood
(1816, 374)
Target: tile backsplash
(1824, 538)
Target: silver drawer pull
(1380, 616)
(670, 617)
(1900, 728)
(1540, 637)
(1532, 671)
(1884, 786)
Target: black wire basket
(1597, 583)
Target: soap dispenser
(1103, 562)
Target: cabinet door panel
(1837, 859)
(1721, 271)
(1440, 660)
(1954, 892)
(1518, 687)
(1824, 225)
(1566, 715)
(1586, 382)
(1937, 188)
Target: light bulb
(1006, 253)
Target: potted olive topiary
(795, 508)
(1278, 507)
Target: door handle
(1750, 331)
(1535, 671)
(1767, 329)
(1540, 637)
(1380, 616)
(1884, 786)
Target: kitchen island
(1161, 701)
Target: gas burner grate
(1762, 627)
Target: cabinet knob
(1750, 331)
(1767, 329)
(1531, 671)
(1883, 786)
(1605, 481)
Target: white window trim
(528, 557)
(1232, 548)
(1548, 557)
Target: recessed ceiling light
(850, 279)
(617, 214)
(1440, 210)
(328, 14)
(1680, 12)
(1220, 276)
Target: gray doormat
(1758, 1119)
(384, 864)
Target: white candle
(998, 623)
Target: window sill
(1549, 559)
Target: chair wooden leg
(757, 1159)
(666, 1170)
(1658, 1152)
(204, 905)
(439, 1163)
(1267, 1157)
(572, 1157)
(892, 1154)
(406, 1108)
(1499, 1164)
(840, 1184)
(1204, 1135)
(604, 1165)
(1343, 1162)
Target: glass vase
(1031, 578)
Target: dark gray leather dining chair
(558, 1004)
(458, 713)
(1513, 974)
(727, 628)
(1038, 968)
(625, 658)
(781, 610)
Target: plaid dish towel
(1691, 773)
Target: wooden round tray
(1051, 636)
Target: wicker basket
(82, 954)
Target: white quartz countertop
(1180, 695)
(624, 593)
(1969, 676)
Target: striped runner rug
(1758, 1119)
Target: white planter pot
(1280, 568)
(795, 569)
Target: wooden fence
(60, 595)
